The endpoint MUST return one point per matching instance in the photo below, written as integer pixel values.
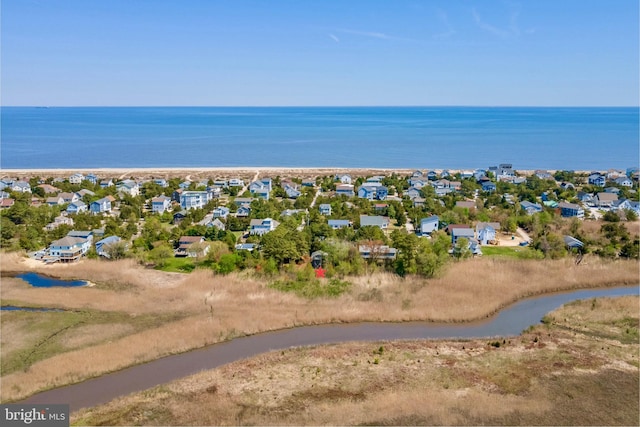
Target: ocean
(344, 137)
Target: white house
(429, 225)
(262, 226)
(160, 204)
(76, 178)
(128, 186)
(194, 199)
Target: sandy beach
(221, 172)
(208, 171)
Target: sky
(319, 53)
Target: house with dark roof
(530, 208)
(569, 210)
(597, 179)
(190, 246)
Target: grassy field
(178, 265)
(580, 368)
(215, 308)
(516, 252)
(28, 337)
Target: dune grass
(28, 337)
(578, 369)
(215, 308)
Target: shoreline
(240, 170)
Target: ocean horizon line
(323, 106)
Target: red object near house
(319, 273)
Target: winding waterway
(510, 321)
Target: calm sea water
(380, 137)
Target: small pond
(15, 308)
(41, 281)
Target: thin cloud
(373, 34)
(488, 27)
(444, 18)
(334, 37)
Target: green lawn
(178, 265)
(519, 252)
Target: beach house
(160, 204)
(429, 225)
(194, 199)
(260, 227)
(569, 210)
(374, 221)
(325, 209)
(100, 206)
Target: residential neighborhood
(153, 218)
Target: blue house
(412, 193)
(465, 232)
(100, 206)
(597, 179)
(366, 192)
(292, 193)
(100, 245)
(569, 210)
(325, 209)
(530, 208)
(382, 192)
(92, 178)
(337, 224)
(488, 186)
(221, 212)
(381, 222)
(486, 234)
(243, 211)
(77, 207)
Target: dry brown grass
(221, 307)
(549, 376)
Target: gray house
(429, 225)
(374, 221)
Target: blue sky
(312, 52)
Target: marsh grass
(215, 308)
(547, 376)
(29, 337)
(312, 288)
